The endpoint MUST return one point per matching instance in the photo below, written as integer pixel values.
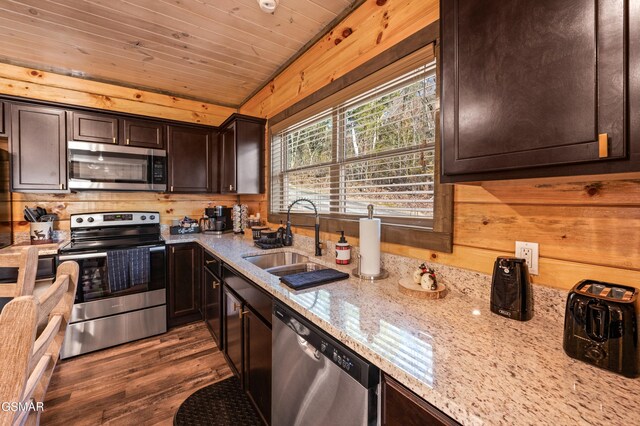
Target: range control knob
(143, 217)
(152, 217)
(90, 219)
(79, 220)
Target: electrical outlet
(528, 252)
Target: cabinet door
(228, 160)
(89, 127)
(184, 283)
(401, 407)
(4, 119)
(257, 362)
(532, 84)
(249, 157)
(232, 333)
(189, 158)
(38, 148)
(143, 133)
(212, 305)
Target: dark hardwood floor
(139, 383)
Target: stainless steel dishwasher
(316, 380)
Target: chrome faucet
(288, 235)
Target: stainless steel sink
(282, 264)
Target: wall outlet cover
(529, 252)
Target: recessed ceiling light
(268, 6)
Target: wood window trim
(435, 234)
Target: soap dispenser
(343, 251)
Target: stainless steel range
(121, 292)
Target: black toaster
(601, 326)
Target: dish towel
(118, 270)
(313, 278)
(139, 261)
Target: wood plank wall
(37, 84)
(588, 228)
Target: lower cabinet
(247, 337)
(402, 407)
(183, 283)
(257, 361)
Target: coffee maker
(216, 220)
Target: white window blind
(375, 148)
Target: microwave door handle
(82, 256)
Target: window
(366, 138)
(376, 148)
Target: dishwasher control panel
(340, 358)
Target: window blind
(375, 148)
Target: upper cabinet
(111, 129)
(190, 154)
(143, 133)
(38, 149)
(90, 127)
(531, 89)
(242, 155)
(4, 119)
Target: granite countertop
(477, 367)
(43, 249)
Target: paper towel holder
(358, 273)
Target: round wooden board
(408, 287)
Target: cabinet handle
(171, 189)
(209, 262)
(603, 145)
(215, 285)
(62, 186)
(114, 140)
(242, 313)
(127, 141)
(230, 187)
(237, 306)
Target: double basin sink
(282, 264)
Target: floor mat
(220, 404)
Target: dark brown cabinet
(532, 89)
(233, 331)
(247, 337)
(91, 127)
(242, 155)
(143, 133)
(212, 296)
(38, 148)
(401, 407)
(257, 362)
(4, 119)
(183, 283)
(190, 157)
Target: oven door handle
(99, 255)
(82, 256)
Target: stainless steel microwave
(116, 167)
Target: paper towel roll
(370, 246)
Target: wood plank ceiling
(219, 51)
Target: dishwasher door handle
(308, 349)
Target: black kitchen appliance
(121, 293)
(219, 220)
(601, 326)
(511, 294)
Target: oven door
(94, 283)
(102, 166)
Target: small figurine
(425, 277)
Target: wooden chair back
(28, 359)
(27, 264)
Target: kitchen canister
(41, 232)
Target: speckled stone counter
(43, 249)
(475, 366)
